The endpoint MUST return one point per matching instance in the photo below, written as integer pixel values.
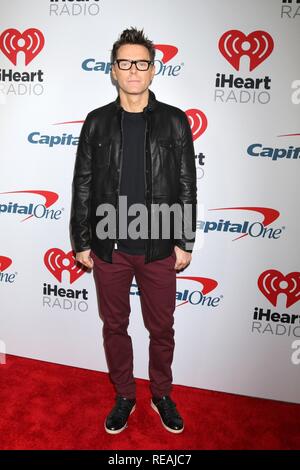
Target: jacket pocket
(169, 153)
(169, 143)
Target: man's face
(133, 81)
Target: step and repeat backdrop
(233, 67)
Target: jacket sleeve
(187, 188)
(81, 192)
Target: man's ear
(153, 71)
(113, 72)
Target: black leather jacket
(170, 173)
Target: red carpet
(48, 406)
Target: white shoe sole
(109, 431)
(174, 431)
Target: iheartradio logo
(57, 261)
(198, 122)
(31, 42)
(272, 283)
(234, 44)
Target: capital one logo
(6, 277)
(167, 50)
(198, 122)
(198, 297)
(253, 229)
(163, 65)
(57, 261)
(31, 42)
(234, 44)
(5, 262)
(40, 211)
(272, 283)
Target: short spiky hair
(133, 36)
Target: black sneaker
(117, 419)
(169, 415)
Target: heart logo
(198, 122)
(57, 261)
(5, 262)
(258, 45)
(272, 283)
(31, 42)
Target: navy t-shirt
(133, 174)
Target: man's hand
(183, 258)
(84, 258)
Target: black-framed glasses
(142, 65)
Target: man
(140, 149)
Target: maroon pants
(157, 284)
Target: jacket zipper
(148, 240)
(119, 183)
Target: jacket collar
(152, 102)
